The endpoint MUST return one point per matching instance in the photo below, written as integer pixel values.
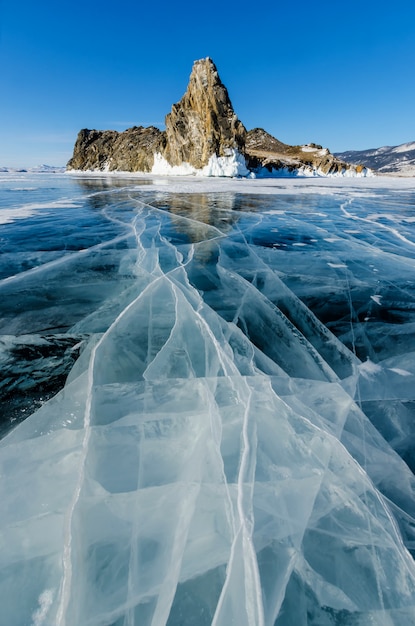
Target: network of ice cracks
(208, 460)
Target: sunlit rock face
(203, 123)
(265, 152)
(108, 150)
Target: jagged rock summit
(203, 135)
(201, 126)
(203, 123)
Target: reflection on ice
(234, 443)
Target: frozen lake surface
(207, 401)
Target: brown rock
(130, 151)
(203, 123)
(259, 141)
(263, 150)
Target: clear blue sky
(336, 73)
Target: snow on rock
(309, 172)
(405, 147)
(313, 148)
(203, 124)
(230, 166)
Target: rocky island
(203, 135)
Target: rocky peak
(259, 140)
(203, 123)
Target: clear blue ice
(208, 404)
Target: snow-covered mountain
(5, 170)
(41, 169)
(397, 160)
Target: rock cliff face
(201, 125)
(107, 150)
(264, 151)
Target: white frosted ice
(401, 372)
(8, 215)
(368, 368)
(310, 172)
(45, 602)
(230, 166)
(218, 454)
(377, 299)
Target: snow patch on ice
(45, 602)
(376, 299)
(400, 371)
(268, 185)
(384, 216)
(27, 210)
(10, 215)
(368, 368)
(23, 188)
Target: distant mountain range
(396, 160)
(38, 169)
